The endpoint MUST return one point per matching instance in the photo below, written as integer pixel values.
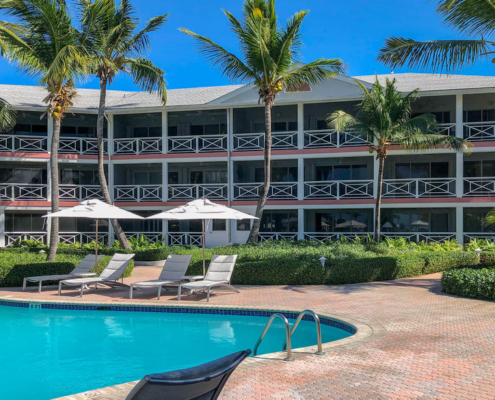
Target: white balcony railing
(479, 131)
(138, 193)
(28, 144)
(196, 191)
(81, 146)
(150, 236)
(324, 236)
(137, 146)
(256, 141)
(330, 138)
(338, 189)
(447, 129)
(479, 187)
(11, 237)
(79, 192)
(82, 237)
(23, 192)
(264, 236)
(252, 191)
(428, 187)
(184, 238)
(197, 144)
(468, 236)
(428, 237)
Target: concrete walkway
(423, 344)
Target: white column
(110, 163)
(459, 224)
(111, 234)
(300, 223)
(164, 132)
(2, 228)
(459, 115)
(165, 230)
(459, 174)
(300, 126)
(165, 181)
(300, 178)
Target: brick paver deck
(423, 344)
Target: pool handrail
(288, 347)
(320, 351)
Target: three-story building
(208, 142)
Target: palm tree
(43, 43)
(384, 118)
(8, 116)
(109, 33)
(475, 18)
(269, 60)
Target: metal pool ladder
(288, 332)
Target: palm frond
(313, 73)
(438, 55)
(228, 64)
(341, 121)
(421, 141)
(472, 17)
(140, 42)
(8, 116)
(147, 76)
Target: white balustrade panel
(197, 144)
(185, 238)
(428, 187)
(468, 236)
(138, 193)
(196, 191)
(82, 237)
(83, 146)
(324, 236)
(330, 138)
(479, 187)
(338, 189)
(138, 146)
(11, 237)
(479, 131)
(150, 236)
(264, 236)
(252, 191)
(428, 237)
(256, 141)
(23, 192)
(28, 144)
(80, 192)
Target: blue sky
(353, 30)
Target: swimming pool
(56, 350)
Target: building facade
(208, 142)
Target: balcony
(183, 192)
(479, 131)
(23, 192)
(418, 188)
(197, 144)
(27, 144)
(264, 236)
(137, 146)
(256, 141)
(185, 238)
(11, 237)
(278, 191)
(479, 187)
(447, 129)
(82, 146)
(428, 237)
(360, 189)
(138, 193)
(82, 237)
(330, 138)
(149, 236)
(324, 236)
(80, 192)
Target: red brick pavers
(434, 346)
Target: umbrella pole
(96, 250)
(204, 262)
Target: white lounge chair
(174, 269)
(109, 276)
(81, 271)
(219, 274)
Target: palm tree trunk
(253, 235)
(54, 176)
(378, 207)
(122, 238)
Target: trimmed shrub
(478, 283)
(442, 261)
(13, 277)
(488, 257)
(150, 254)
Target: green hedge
(470, 282)
(12, 274)
(442, 261)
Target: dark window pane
(155, 131)
(68, 130)
(321, 125)
(472, 116)
(212, 129)
(196, 177)
(359, 172)
(420, 170)
(402, 171)
(172, 131)
(173, 178)
(293, 126)
(488, 115)
(259, 174)
(219, 225)
(472, 169)
(244, 225)
(279, 127)
(195, 226)
(439, 169)
(197, 130)
(22, 129)
(488, 168)
(140, 131)
(342, 172)
(39, 128)
(440, 222)
(324, 173)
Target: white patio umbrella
(94, 209)
(202, 209)
(351, 224)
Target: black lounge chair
(204, 382)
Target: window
(172, 131)
(197, 130)
(442, 117)
(421, 170)
(479, 115)
(279, 221)
(215, 176)
(475, 169)
(321, 125)
(244, 225)
(24, 222)
(219, 225)
(414, 221)
(337, 221)
(341, 172)
(23, 175)
(279, 174)
(173, 178)
(474, 220)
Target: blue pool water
(49, 353)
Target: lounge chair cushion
(220, 268)
(175, 267)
